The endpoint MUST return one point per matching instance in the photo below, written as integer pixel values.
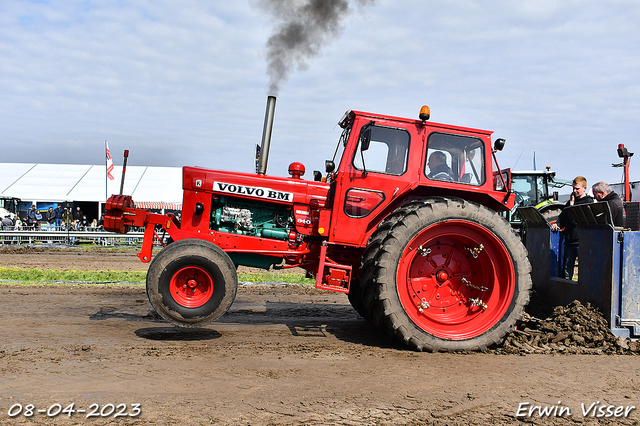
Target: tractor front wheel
(448, 275)
(191, 283)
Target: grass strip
(35, 275)
(270, 277)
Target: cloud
(183, 83)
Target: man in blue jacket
(58, 220)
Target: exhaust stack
(266, 135)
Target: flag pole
(106, 190)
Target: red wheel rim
(191, 287)
(456, 280)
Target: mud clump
(571, 329)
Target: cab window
(387, 151)
(455, 158)
(525, 190)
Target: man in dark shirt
(570, 227)
(438, 167)
(50, 215)
(602, 191)
(58, 220)
(77, 214)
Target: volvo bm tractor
(404, 220)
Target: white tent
(31, 182)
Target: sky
(185, 83)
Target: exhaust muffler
(266, 135)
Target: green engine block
(258, 219)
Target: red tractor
(404, 220)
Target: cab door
(376, 172)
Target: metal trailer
(608, 271)
(634, 189)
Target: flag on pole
(109, 162)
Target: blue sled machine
(608, 270)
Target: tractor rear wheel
(448, 275)
(191, 283)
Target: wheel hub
(191, 287)
(442, 276)
(435, 278)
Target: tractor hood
(251, 186)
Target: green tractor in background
(536, 188)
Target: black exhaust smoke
(303, 26)
(266, 135)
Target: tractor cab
(382, 162)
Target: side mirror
(499, 144)
(365, 140)
(329, 166)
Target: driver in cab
(439, 170)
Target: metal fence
(50, 236)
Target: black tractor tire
(355, 296)
(357, 291)
(191, 282)
(362, 292)
(445, 274)
(551, 211)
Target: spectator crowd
(58, 219)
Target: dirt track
(283, 355)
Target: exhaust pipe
(124, 169)
(266, 135)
